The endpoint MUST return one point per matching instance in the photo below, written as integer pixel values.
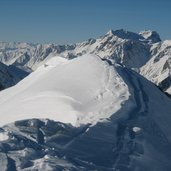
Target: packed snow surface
(78, 91)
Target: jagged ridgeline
(143, 52)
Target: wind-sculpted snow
(78, 91)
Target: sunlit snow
(78, 91)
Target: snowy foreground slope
(119, 120)
(78, 91)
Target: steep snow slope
(158, 68)
(134, 138)
(78, 91)
(10, 75)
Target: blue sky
(70, 21)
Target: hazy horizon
(66, 22)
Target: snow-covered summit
(78, 91)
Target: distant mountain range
(143, 52)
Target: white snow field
(78, 91)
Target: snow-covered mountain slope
(135, 134)
(10, 75)
(158, 68)
(128, 48)
(78, 91)
(26, 55)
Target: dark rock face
(104, 147)
(123, 34)
(1, 87)
(10, 75)
(151, 36)
(165, 84)
(154, 37)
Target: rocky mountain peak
(124, 34)
(152, 36)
